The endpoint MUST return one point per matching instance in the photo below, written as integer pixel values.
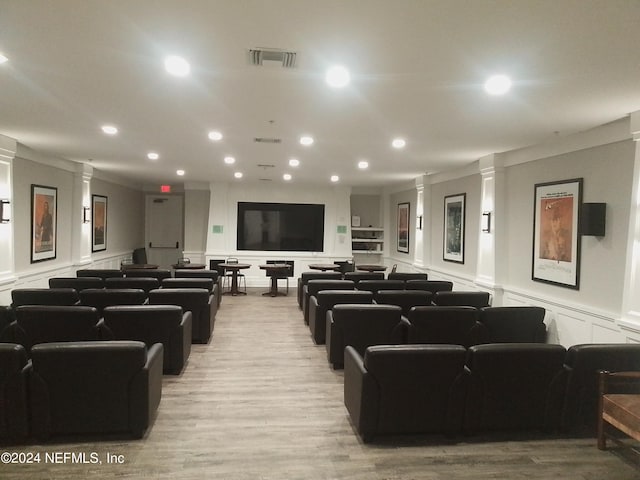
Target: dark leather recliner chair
(404, 276)
(405, 299)
(304, 278)
(44, 296)
(448, 325)
(358, 276)
(582, 363)
(54, 323)
(143, 283)
(314, 286)
(99, 272)
(325, 300)
(212, 274)
(139, 256)
(206, 283)
(198, 301)
(361, 326)
(94, 387)
(432, 286)
(466, 299)
(7, 316)
(377, 285)
(515, 386)
(403, 389)
(77, 283)
(514, 324)
(165, 324)
(14, 424)
(101, 298)
(159, 274)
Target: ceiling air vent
(267, 140)
(266, 165)
(266, 180)
(272, 56)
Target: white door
(164, 229)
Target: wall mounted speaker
(593, 219)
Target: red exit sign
(165, 188)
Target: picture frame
(556, 239)
(44, 223)
(98, 223)
(403, 227)
(454, 227)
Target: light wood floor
(260, 402)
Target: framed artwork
(403, 227)
(454, 221)
(98, 223)
(44, 211)
(556, 242)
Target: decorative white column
(631, 293)
(81, 231)
(219, 228)
(422, 251)
(491, 267)
(196, 216)
(7, 265)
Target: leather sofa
(94, 388)
(432, 286)
(461, 298)
(405, 389)
(405, 299)
(198, 301)
(44, 296)
(404, 276)
(77, 283)
(165, 324)
(14, 424)
(99, 272)
(325, 300)
(314, 286)
(360, 326)
(304, 278)
(143, 283)
(101, 298)
(444, 325)
(519, 324)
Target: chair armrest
(361, 394)
(104, 332)
(146, 391)
(186, 328)
(334, 342)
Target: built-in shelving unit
(367, 240)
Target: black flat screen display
(291, 227)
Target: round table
(234, 268)
(138, 266)
(371, 268)
(325, 266)
(272, 270)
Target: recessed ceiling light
(238, 174)
(306, 140)
(294, 162)
(335, 178)
(398, 143)
(109, 129)
(337, 76)
(153, 156)
(229, 160)
(180, 172)
(497, 85)
(215, 135)
(3, 59)
(287, 176)
(177, 66)
(363, 164)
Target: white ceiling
(417, 70)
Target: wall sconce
(419, 222)
(86, 215)
(486, 222)
(5, 211)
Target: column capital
(489, 164)
(634, 125)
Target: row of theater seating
(73, 388)
(362, 325)
(416, 389)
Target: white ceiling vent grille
(272, 56)
(267, 140)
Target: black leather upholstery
(304, 278)
(143, 283)
(13, 392)
(432, 286)
(44, 296)
(314, 286)
(404, 276)
(325, 300)
(101, 298)
(357, 276)
(361, 326)
(376, 285)
(99, 272)
(450, 325)
(212, 274)
(158, 273)
(165, 324)
(94, 387)
(77, 283)
(460, 298)
(198, 301)
(514, 324)
(405, 299)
